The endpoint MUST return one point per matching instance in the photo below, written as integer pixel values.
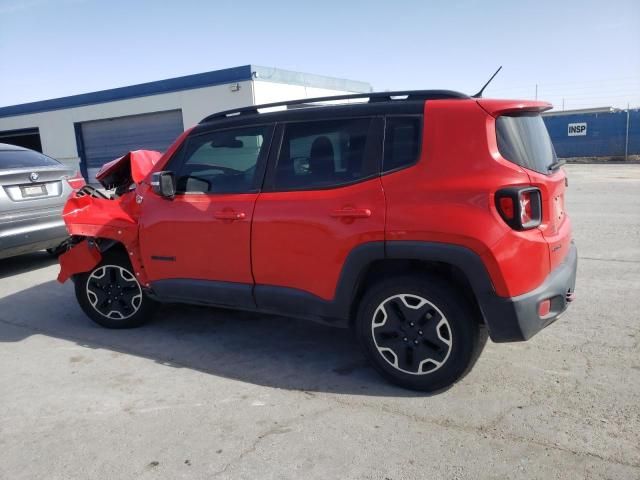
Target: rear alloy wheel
(418, 333)
(411, 334)
(111, 295)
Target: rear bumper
(25, 239)
(516, 319)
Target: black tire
(112, 283)
(418, 332)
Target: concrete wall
(57, 127)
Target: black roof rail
(373, 97)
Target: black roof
(409, 98)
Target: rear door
(322, 198)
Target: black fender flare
(497, 312)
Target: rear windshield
(524, 140)
(24, 159)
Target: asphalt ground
(204, 393)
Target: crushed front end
(97, 220)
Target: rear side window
(25, 159)
(324, 154)
(401, 142)
(524, 140)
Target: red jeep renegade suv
(424, 220)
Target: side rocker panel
(276, 299)
(299, 303)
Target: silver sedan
(33, 191)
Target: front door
(196, 246)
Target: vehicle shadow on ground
(24, 263)
(273, 351)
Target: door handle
(351, 213)
(223, 215)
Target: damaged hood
(130, 168)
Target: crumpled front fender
(132, 167)
(98, 219)
(81, 258)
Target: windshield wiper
(556, 165)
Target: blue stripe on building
(199, 80)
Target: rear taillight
(520, 208)
(77, 181)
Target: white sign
(577, 129)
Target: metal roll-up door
(106, 140)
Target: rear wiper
(556, 165)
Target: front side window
(324, 154)
(401, 142)
(222, 162)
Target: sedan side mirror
(164, 184)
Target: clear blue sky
(587, 52)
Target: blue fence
(594, 134)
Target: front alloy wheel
(111, 295)
(114, 292)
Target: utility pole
(563, 104)
(536, 91)
(626, 138)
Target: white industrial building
(90, 129)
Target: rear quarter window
(524, 140)
(401, 142)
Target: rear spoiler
(496, 107)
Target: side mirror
(164, 184)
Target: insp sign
(577, 129)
